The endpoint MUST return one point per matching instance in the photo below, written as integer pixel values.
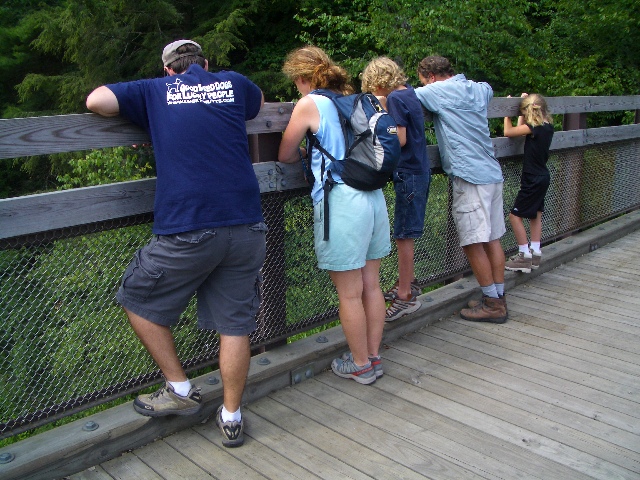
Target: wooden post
(273, 311)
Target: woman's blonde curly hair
(314, 65)
(382, 72)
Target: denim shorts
(478, 211)
(358, 229)
(412, 192)
(220, 265)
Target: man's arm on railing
(103, 102)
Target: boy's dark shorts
(220, 265)
(530, 198)
(412, 192)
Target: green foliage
(109, 165)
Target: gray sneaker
(519, 263)
(376, 363)
(536, 259)
(400, 308)
(232, 432)
(348, 369)
(165, 401)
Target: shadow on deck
(553, 393)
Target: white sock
(500, 289)
(535, 246)
(524, 249)
(230, 417)
(490, 291)
(181, 388)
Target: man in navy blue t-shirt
(208, 224)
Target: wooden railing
(45, 135)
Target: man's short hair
(180, 54)
(437, 65)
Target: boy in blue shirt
(411, 179)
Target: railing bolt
(264, 361)
(272, 185)
(271, 171)
(212, 381)
(297, 379)
(283, 183)
(322, 339)
(90, 426)
(269, 123)
(308, 373)
(7, 457)
(427, 299)
(460, 287)
(280, 110)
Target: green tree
(590, 46)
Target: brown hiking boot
(475, 303)
(519, 263)
(536, 259)
(492, 310)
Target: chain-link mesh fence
(65, 344)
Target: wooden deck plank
(253, 452)
(349, 424)
(582, 287)
(413, 433)
(353, 454)
(600, 275)
(129, 467)
(604, 321)
(579, 385)
(495, 380)
(530, 313)
(304, 454)
(561, 343)
(583, 303)
(500, 402)
(507, 424)
(211, 457)
(169, 463)
(469, 437)
(555, 357)
(92, 473)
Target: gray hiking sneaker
(376, 363)
(393, 291)
(348, 369)
(232, 432)
(536, 259)
(400, 308)
(165, 401)
(519, 263)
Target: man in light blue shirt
(459, 108)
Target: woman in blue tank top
(359, 223)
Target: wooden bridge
(552, 394)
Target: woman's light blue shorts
(358, 229)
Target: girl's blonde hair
(534, 109)
(382, 72)
(314, 65)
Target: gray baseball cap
(170, 55)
